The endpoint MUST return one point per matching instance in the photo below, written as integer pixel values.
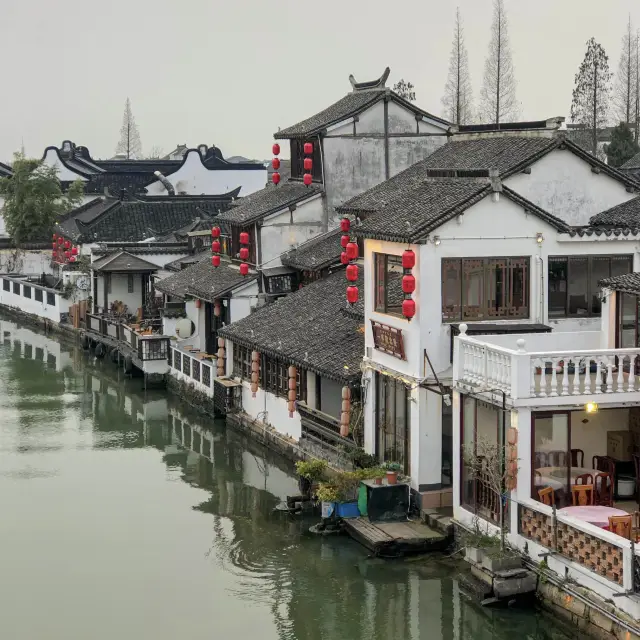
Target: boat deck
(395, 539)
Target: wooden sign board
(388, 339)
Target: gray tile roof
(634, 163)
(122, 261)
(627, 283)
(282, 329)
(315, 254)
(266, 201)
(348, 106)
(86, 213)
(203, 280)
(624, 215)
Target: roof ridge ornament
(380, 83)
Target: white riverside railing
(545, 374)
(193, 370)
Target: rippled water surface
(123, 516)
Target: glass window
(468, 448)
(26, 291)
(578, 286)
(6, 285)
(557, 287)
(16, 288)
(392, 421)
(600, 269)
(388, 284)
(451, 289)
(130, 284)
(447, 442)
(550, 457)
(627, 321)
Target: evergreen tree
(129, 143)
(405, 90)
(590, 104)
(498, 95)
(622, 147)
(33, 199)
(625, 89)
(457, 99)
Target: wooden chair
(541, 460)
(582, 495)
(585, 478)
(547, 496)
(605, 463)
(604, 489)
(577, 458)
(621, 526)
(557, 458)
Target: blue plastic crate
(348, 509)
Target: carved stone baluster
(598, 388)
(554, 377)
(576, 376)
(534, 362)
(565, 377)
(492, 366)
(543, 378)
(631, 386)
(620, 380)
(609, 366)
(587, 374)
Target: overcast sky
(231, 72)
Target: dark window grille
(6, 285)
(485, 288)
(297, 160)
(130, 283)
(51, 298)
(206, 375)
(186, 364)
(195, 374)
(280, 284)
(176, 359)
(26, 291)
(241, 362)
(153, 349)
(38, 295)
(16, 288)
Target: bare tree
(590, 104)
(625, 91)
(129, 143)
(458, 99)
(405, 90)
(636, 106)
(498, 101)
(155, 153)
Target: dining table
(593, 514)
(556, 477)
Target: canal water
(124, 516)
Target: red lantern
(244, 253)
(59, 240)
(215, 246)
(308, 148)
(345, 224)
(198, 303)
(275, 178)
(55, 246)
(74, 251)
(352, 295)
(344, 258)
(55, 235)
(244, 238)
(352, 251)
(67, 254)
(408, 284)
(215, 261)
(352, 272)
(215, 232)
(307, 179)
(344, 241)
(408, 308)
(244, 268)
(67, 244)
(308, 163)
(275, 163)
(72, 259)
(276, 149)
(408, 259)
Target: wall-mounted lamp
(591, 407)
(539, 238)
(436, 240)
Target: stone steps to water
(440, 519)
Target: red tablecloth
(597, 516)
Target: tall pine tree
(458, 99)
(498, 101)
(129, 143)
(590, 104)
(625, 90)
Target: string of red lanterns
(308, 163)
(244, 253)
(275, 163)
(215, 246)
(348, 256)
(62, 251)
(408, 284)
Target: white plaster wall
(197, 316)
(52, 159)
(405, 151)
(371, 121)
(193, 178)
(28, 262)
(564, 185)
(120, 291)
(258, 473)
(287, 229)
(271, 409)
(32, 306)
(243, 298)
(401, 120)
(330, 397)
(169, 326)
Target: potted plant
(310, 472)
(393, 469)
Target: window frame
(487, 308)
(6, 285)
(130, 283)
(381, 286)
(590, 292)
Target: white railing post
(520, 379)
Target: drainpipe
(167, 185)
(541, 305)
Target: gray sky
(230, 72)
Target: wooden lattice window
(241, 362)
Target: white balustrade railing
(201, 373)
(521, 374)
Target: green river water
(125, 516)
